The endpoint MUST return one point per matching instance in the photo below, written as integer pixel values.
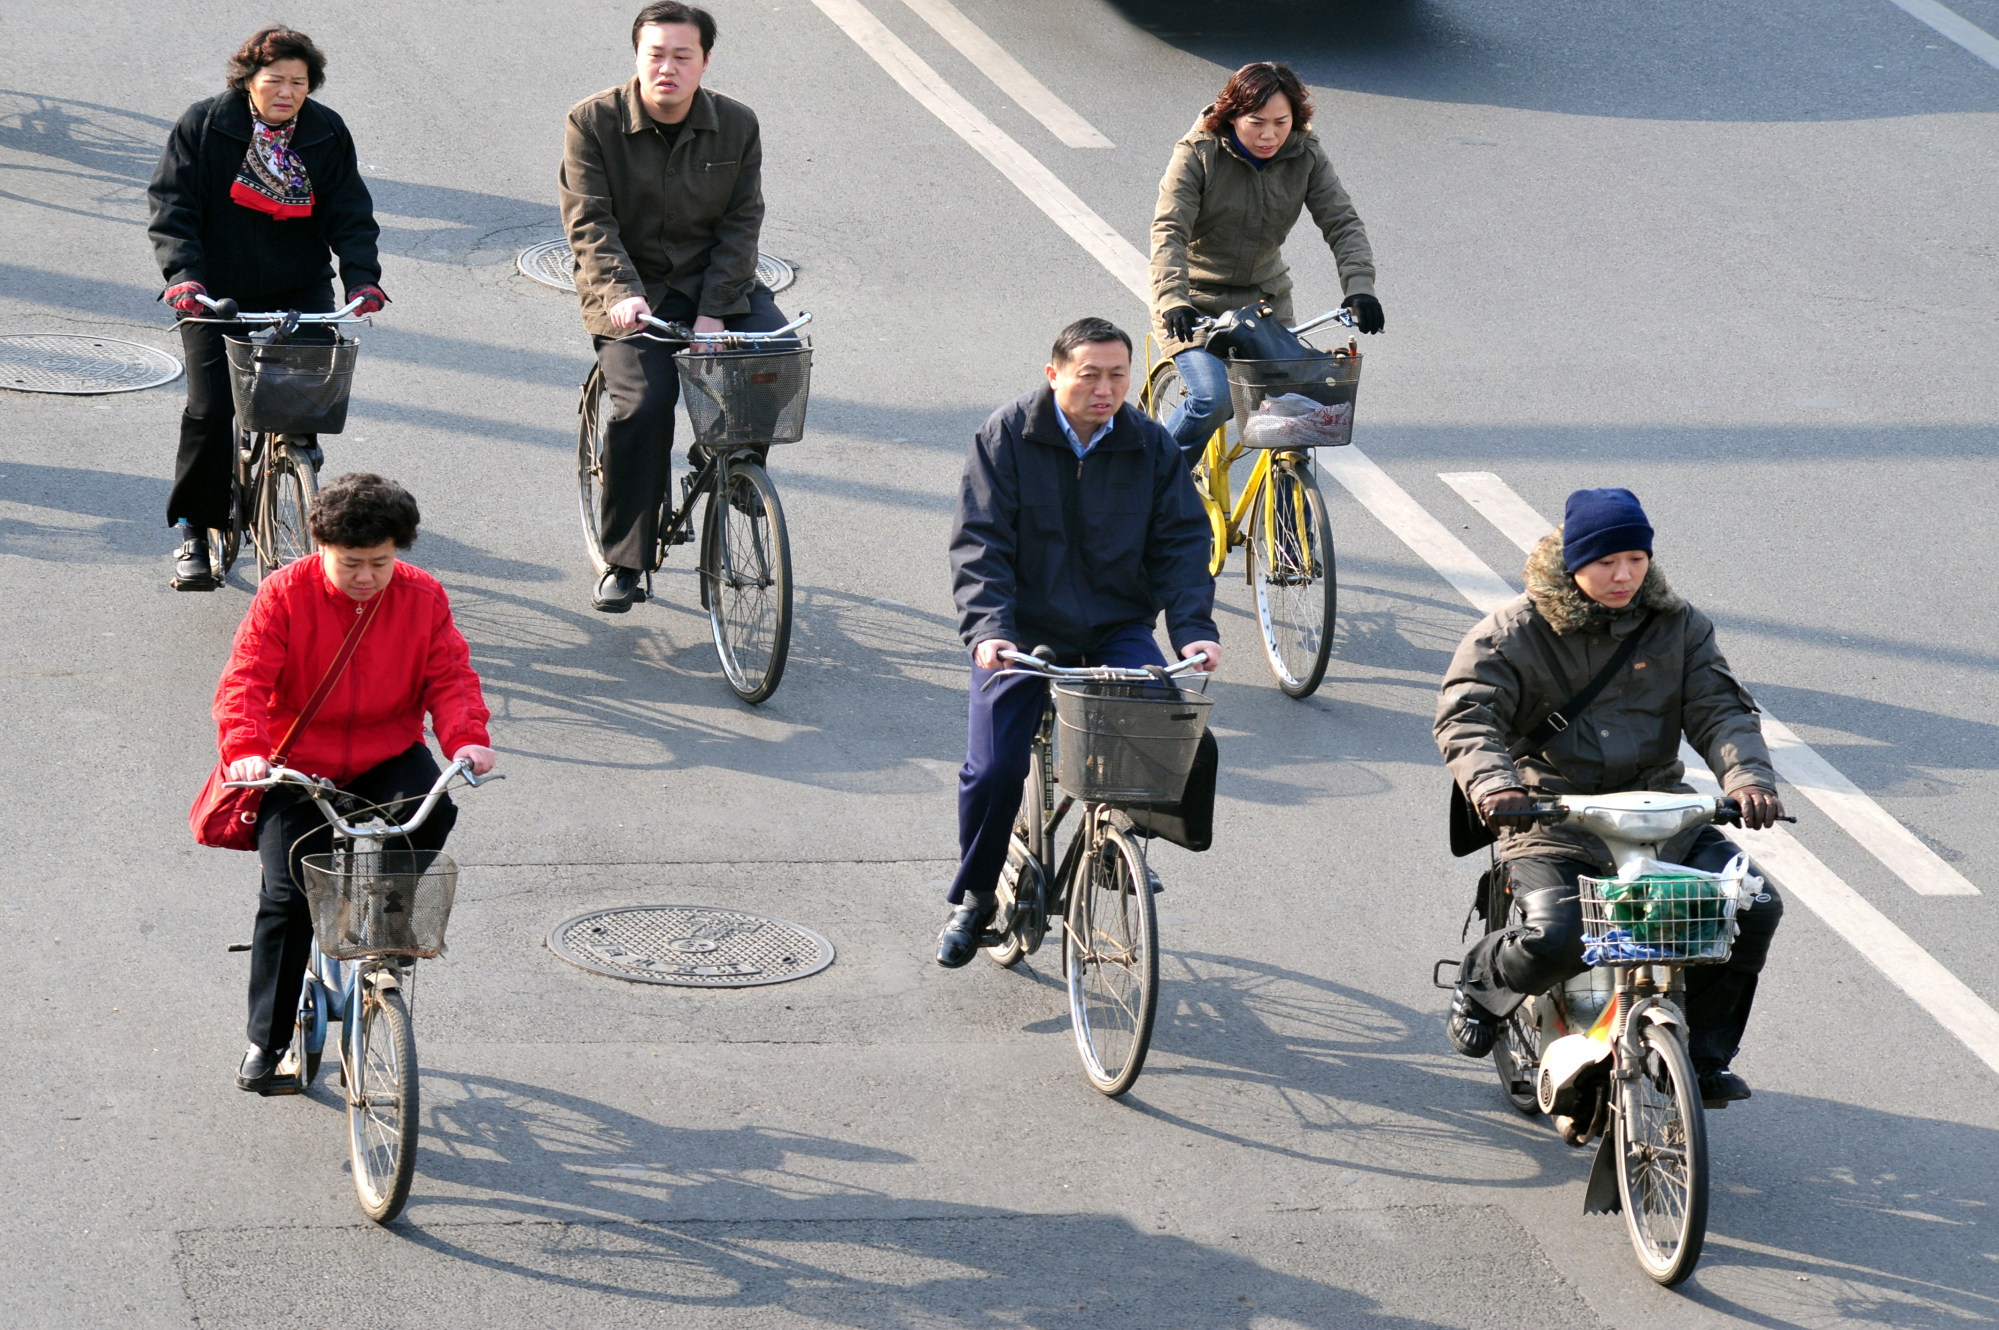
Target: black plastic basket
(737, 399)
(1323, 385)
(379, 902)
(291, 387)
(1127, 743)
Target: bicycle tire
(224, 546)
(1516, 1052)
(291, 484)
(746, 575)
(1110, 958)
(590, 417)
(1295, 575)
(382, 1107)
(1659, 1117)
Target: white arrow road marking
(1797, 761)
(1027, 91)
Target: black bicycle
(742, 392)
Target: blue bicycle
(376, 911)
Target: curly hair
(359, 511)
(268, 46)
(1250, 87)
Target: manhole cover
(551, 264)
(694, 946)
(81, 364)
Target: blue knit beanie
(1598, 523)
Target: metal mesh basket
(291, 387)
(380, 902)
(1685, 918)
(1125, 743)
(1303, 403)
(738, 398)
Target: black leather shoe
(1721, 1087)
(965, 933)
(259, 1069)
(1471, 1027)
(191, 567)
(616, 591)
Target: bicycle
(1127, 739)
(1604, 1054)
(375, 913)
(1280, 514)
(738, 400)
(282, 390)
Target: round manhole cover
(551, 264)
(80, 364)
(694, 946)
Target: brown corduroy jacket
(646, 222)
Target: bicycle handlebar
(226, 312)
(680, 332)
(320, 788)
(1340, 315)
(1048, 669)
(1727, 812)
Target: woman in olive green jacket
(1230, 196)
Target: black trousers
(638, 437)
(289, 827)
(1547, 947)
(208, 423)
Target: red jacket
(412, 659)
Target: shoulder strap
(334, 669)
(1556, 721)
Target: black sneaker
(1720, 1087)
(192, 570)
(616, 591)
(1471, 1027)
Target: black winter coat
(201, 235)
(1052, 550)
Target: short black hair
(267, 46)
(359, 511)
(673, 11)
(1087, 332)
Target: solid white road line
(1957, 1008)
(1954, 26)
(1804, 877)
(1012, 78)
(1797, 761)
(1016, 163)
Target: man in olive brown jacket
(662, 196)
(1591, 585)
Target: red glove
(182, 297)
(372, 298)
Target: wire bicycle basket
(738, 399)
(1307, 402)
(1127, 743)
(291, 387)
(380, 902)
(1682, 917)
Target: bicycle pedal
(282, 1085)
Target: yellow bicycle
(1280, 513)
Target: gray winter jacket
(1534, 653)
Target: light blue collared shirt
(1080, 448)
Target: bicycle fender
(1602, 1197)
(385, 980)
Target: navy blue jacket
(201, 235)
(1052, 550)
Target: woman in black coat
(256, 192)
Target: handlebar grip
(1045, 654)
(225, 308)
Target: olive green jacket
(645, 222)
(1535, 652)
(1219, 228)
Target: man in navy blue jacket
(1077, 526)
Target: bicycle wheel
(1292, 568)
(1516, 1053)
(291, 482)
(1024, 874)
(308, 1030)
(1163, 394)
(591, 412)
(1110, 953)
(1662, 1159)
(381, 1112)
(746, 569)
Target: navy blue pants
(999, 747)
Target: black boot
(964, 934)
(192, 571)
(1471, 1027)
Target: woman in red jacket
(368, 734)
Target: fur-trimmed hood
(1562, 603)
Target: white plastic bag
(1292, 420)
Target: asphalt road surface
(1739, 257)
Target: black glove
(1179, 322)
(1366, 312)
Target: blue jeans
(1207, 407)
(999, 746)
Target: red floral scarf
(272, 179)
